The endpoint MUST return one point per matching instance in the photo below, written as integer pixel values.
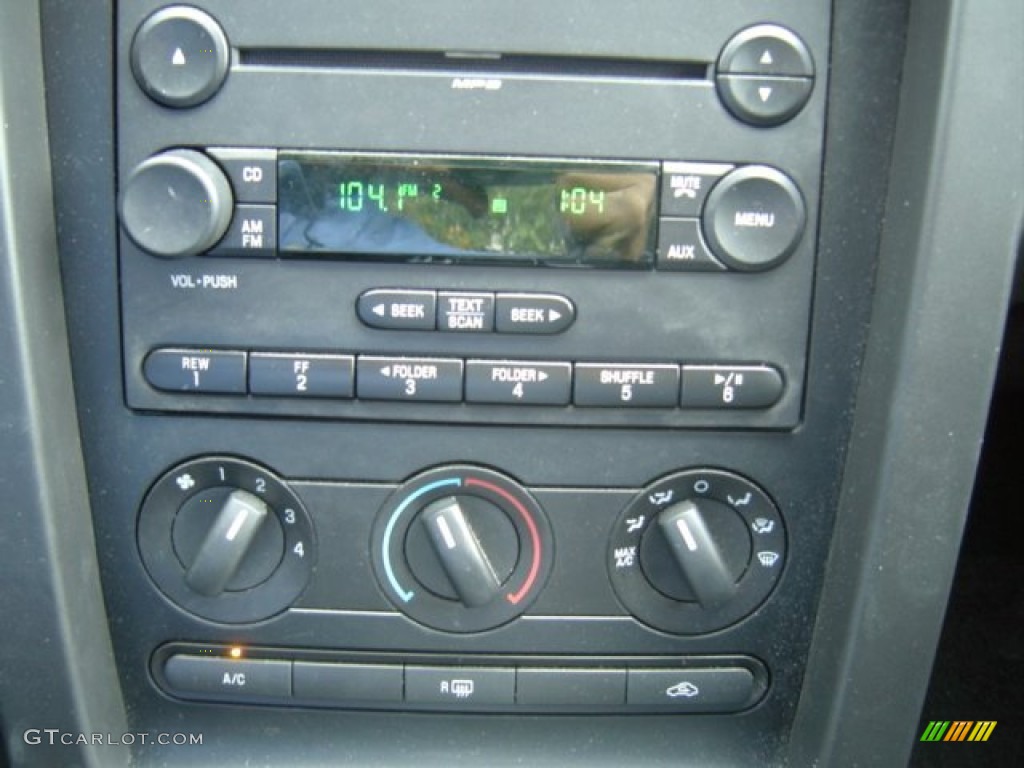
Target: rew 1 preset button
(503, 381)
(397, 309)
(296, 375)
(409, 378)
(629, 386)
(196, 370)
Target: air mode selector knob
(177, 203)
(697, 551)
(709, 550)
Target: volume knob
(177, 203)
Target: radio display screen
(456, 209)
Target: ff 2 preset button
(295, 375)
(196, 370)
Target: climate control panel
(460, 556)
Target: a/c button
(220, 677)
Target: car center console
(518, 255)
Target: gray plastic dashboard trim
(56, 661)
(953, 218)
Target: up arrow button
(533, 313)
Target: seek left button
(225, 678)
(213, 371)
(398, 310)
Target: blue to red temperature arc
(524, 540)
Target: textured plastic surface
(56, 662)
(125, 450)
(932, 353)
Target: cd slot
(472, 64)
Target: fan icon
(185, 481)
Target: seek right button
(735, 386)
(716, 689)
(536, 313)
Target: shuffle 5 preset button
(629, 386)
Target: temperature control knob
(177, 203)
(226, 539)
(697, 551)
(462, 549)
